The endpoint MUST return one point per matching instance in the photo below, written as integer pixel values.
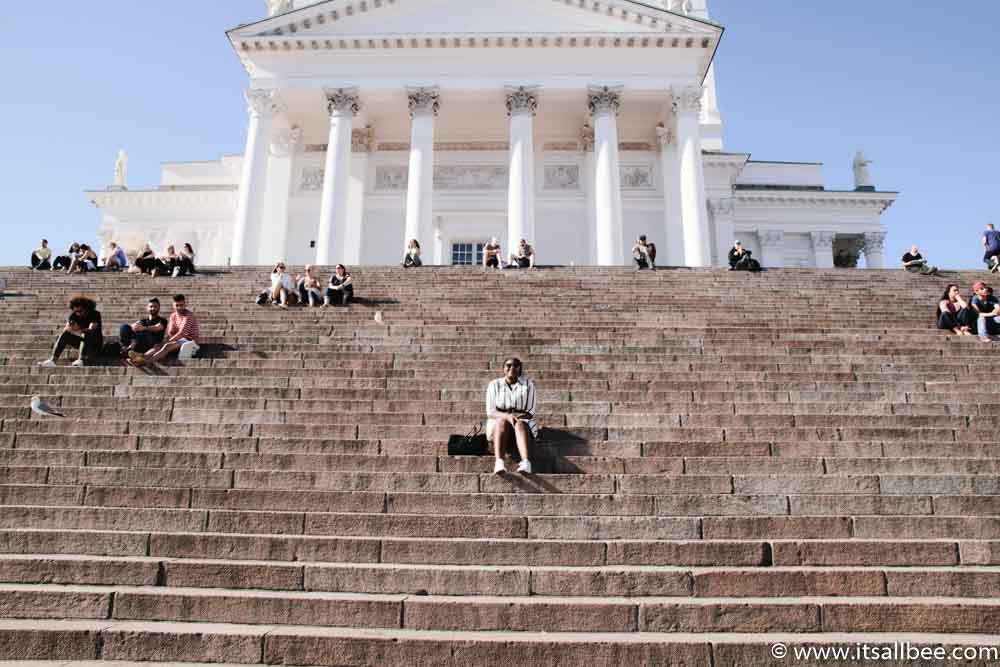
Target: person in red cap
(987, 307)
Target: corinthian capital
(423, 101)
(262, 102)
(604, 99)
(874, 242)
(342, 101)
(823, 240)
(522, 100)
(286, 142)
(687, 99)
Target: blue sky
(804, 80)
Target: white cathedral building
(575, 124)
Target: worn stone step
(245, 644)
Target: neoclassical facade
(577, 125)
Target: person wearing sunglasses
(511, 401)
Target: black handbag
(472, 444)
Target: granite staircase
(728, 461)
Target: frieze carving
(363, 140)
(522, 100)
(286, 142)
(635, 146)
(391, 177)
(561, 177)
(562, 146)
(312, 179)
(771, 238)
(342, 101)
(687, 99)
(604, 100)
(637, 177)
(262, 102)
(722, 206)
(423, 101)
(823, 240)
(471, 177)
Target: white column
(874, 247)
(687, 102)
(273, 245)
(439, 248)
(673, 214)
(722, 211)
(822, 243)
(589, 181)
(604, 103)
(772, 243)
(343, 105)
(362, 144)
(522, 103)
(262, 105)
(424, 104)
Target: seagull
(378, 317)
(40, 407)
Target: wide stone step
(618, 580)
(335, 646)
(536, 614)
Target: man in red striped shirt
(182, 329)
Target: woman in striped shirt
(510, 409)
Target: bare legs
(504, 433)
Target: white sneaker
(499, 468)
(48, 363)
(78, 363)
(524, 467)
(177, 271)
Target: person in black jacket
(740, 259)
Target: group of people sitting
(170, 263)
(81, 258)
(147, 340)
(522, 258)
(306, 289)
(980, 313)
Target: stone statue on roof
(862, 175)
(121, 169)
(275, 7)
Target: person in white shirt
(510, 410)
(41, 259)
(283, 290)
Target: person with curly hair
(82, 331)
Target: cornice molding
(224, 196)
(817, 199)
(282, 44)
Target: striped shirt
(521, 396)
(183, 325)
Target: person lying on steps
(511, 401)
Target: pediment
(374, 18)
